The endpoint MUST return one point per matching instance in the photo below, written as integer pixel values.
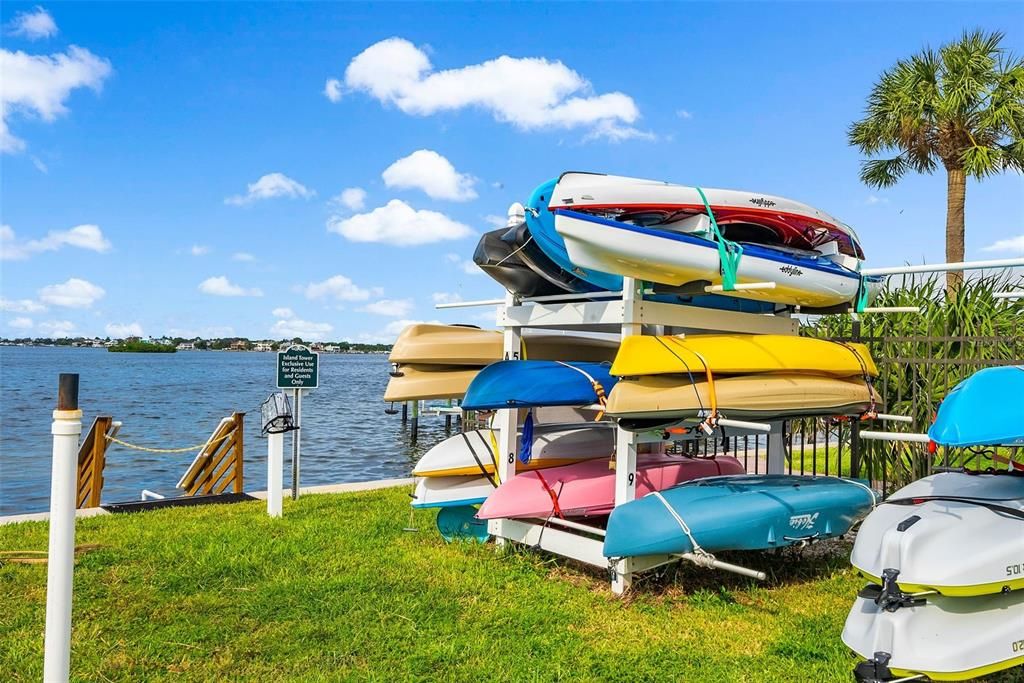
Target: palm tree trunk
(956, 195)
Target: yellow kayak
(432, 344)
(737, 354)
(669, 398)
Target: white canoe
(471, 453)
(786, 221)
(676, 258)
(945, 639)
(958, 548)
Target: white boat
(944, 638)
(953, 533)
(441, 492)
(472, 453)
(807, 279)
(742, 215)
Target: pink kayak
(588, 488)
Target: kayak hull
(529, 383)
(441, 492)
(648, 402)
(734, 354)
(957, 423)
(954, 548)
(420, 382)
(471, 453)
(587, 489)
(745, 512)
(945, 639)
(789, 222)
(677, 259)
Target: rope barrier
(146, 449)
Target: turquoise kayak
(986, 409)
(737, 512)
(532, 383)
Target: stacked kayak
(440, 361)
(665, 380)
(587, 489)
(945, 554)
(746, 512)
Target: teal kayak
(737, 512)
(985, 409)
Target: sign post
(298, 368)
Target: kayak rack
(623, 314)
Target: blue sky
(179, 168)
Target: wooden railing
(92, 458)
(219, 464)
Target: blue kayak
(986, 409)
(531, 383)
(737, 512)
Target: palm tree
(962, 106)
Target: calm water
(173, 400)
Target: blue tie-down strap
(526, 445)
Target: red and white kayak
(742, 216)
(588, 488)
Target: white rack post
(626, 442)
(776, 449)
(507, 423)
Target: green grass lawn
(336, 590)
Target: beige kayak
(417, 382)
(743, 397)
(429, 344)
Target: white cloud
(57, 328)
(332, 90)
(395, 308)
(293, 327)
(684, 114)
(122, 330)
(33, 25)
(353, 198)
(199, 250)
(339, 288)
(496, 221)
(20, 323)
(242, 256)
(399, 224)
(88, 237)
(283, 312)
(270, 186)
(427, 170)
(875, 199)
(465, 265)
(38, 163)
(75, 293)
(529, 93)
(221, 286)
(1011, 244)
(21, 306)
(39, 84)
(446, 297)
(389, 332)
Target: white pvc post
(945, 267)
(66, 428)
(625, 442)
(776, 450)
(275, 474)
(506, 422)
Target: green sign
(297, 368)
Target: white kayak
(472, 453)
(945, 639)
(954, 533)
(675, 258)
(441, 492)
(767, 217)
